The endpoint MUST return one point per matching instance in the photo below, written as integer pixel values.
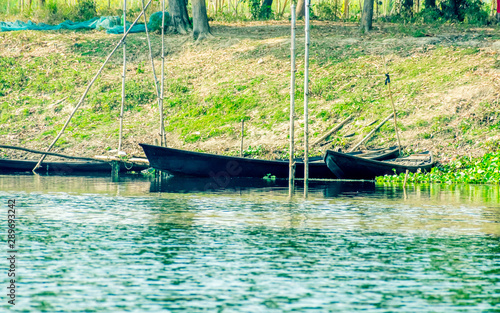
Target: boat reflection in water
(326, 189)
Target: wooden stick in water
(306, 95)
(291, 173)
(163, 139)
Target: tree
(265, 9)
(367, 17)
(201, 29)
(431, 4)
(407, 8)
(300, 11)
(42, 3)
(346, 9)
(179, 20)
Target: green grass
(210, 88)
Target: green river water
(91, 244)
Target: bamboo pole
(371, 133)
(306, 95)
(291, 173)
(158, 96)
(50, 153)
(120, 136)
(160, 106)
(242, 134)
(88, 88)
(388, 83)
(332, 131)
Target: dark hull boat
(346, 166)
(64, 167)
(188, 163)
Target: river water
(91, 244)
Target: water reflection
(89, 244)
(174, 184)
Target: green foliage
(85, 10)
(253, 150)
(482, 170)
(156, 20)
(327, 10)
(269, 177)
(468, 11)
(429, 15)
(254, 7)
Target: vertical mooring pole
(291, 174)
(162, 127)
(242, 135)
(306, 109)
(123, 75)
(115, 170)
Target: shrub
(85, 10)
(327, 10)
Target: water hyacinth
(482, 170)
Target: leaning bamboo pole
(388, 83)
(120, 136)
(306, 101)
(371, 133)
(291, 173)
(155, 79)
(160, 106)
(51, 153)
(333, 130)
(88, 88)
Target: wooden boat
(346, 166)
(50, 167)
(189, 163)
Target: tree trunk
(346, 9)
(454, 8)
(431, 4)
(498, 10)
(201, 29)
(179, 18)
(366, 19)
(407, 6)
(265, 9)
(301, 8)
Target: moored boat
(58, 167)
(189, 163)
(346, 166)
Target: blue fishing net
(112, 24)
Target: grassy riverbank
(445, 83)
